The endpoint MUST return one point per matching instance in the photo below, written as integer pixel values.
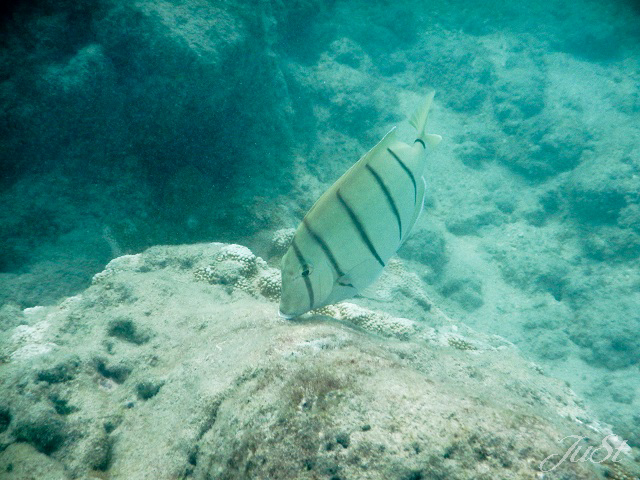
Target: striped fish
(348, 236)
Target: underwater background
(127, 125)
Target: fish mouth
(285, 316)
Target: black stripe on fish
(307, 280)
(421, 142)
(356, 223)
(406, 169)
(327, 251)
(387, 194)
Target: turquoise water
(165, 123)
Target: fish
(349, 234)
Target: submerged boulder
(220, 386)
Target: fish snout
(292, 306)
(284, 315)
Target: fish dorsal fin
(387, 140)
(382, 145)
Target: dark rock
(62, 371)
(471, 224)
(5, 418)
(124, 329)
(467, 292)
(343, 439)
(43, 429)
(426, 246)
(148, 389)
(116, 372)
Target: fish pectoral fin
(361, 275)
(344, 281)
(422, 188)
(340, 292)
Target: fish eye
(306, 270)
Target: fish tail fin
(419, 121)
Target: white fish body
(347, 237)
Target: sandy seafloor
(508, 321)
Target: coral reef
(281, 240)
(460, 343)
(232, 266)
(371, 321)
(237, 267)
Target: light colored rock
(222, 387)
